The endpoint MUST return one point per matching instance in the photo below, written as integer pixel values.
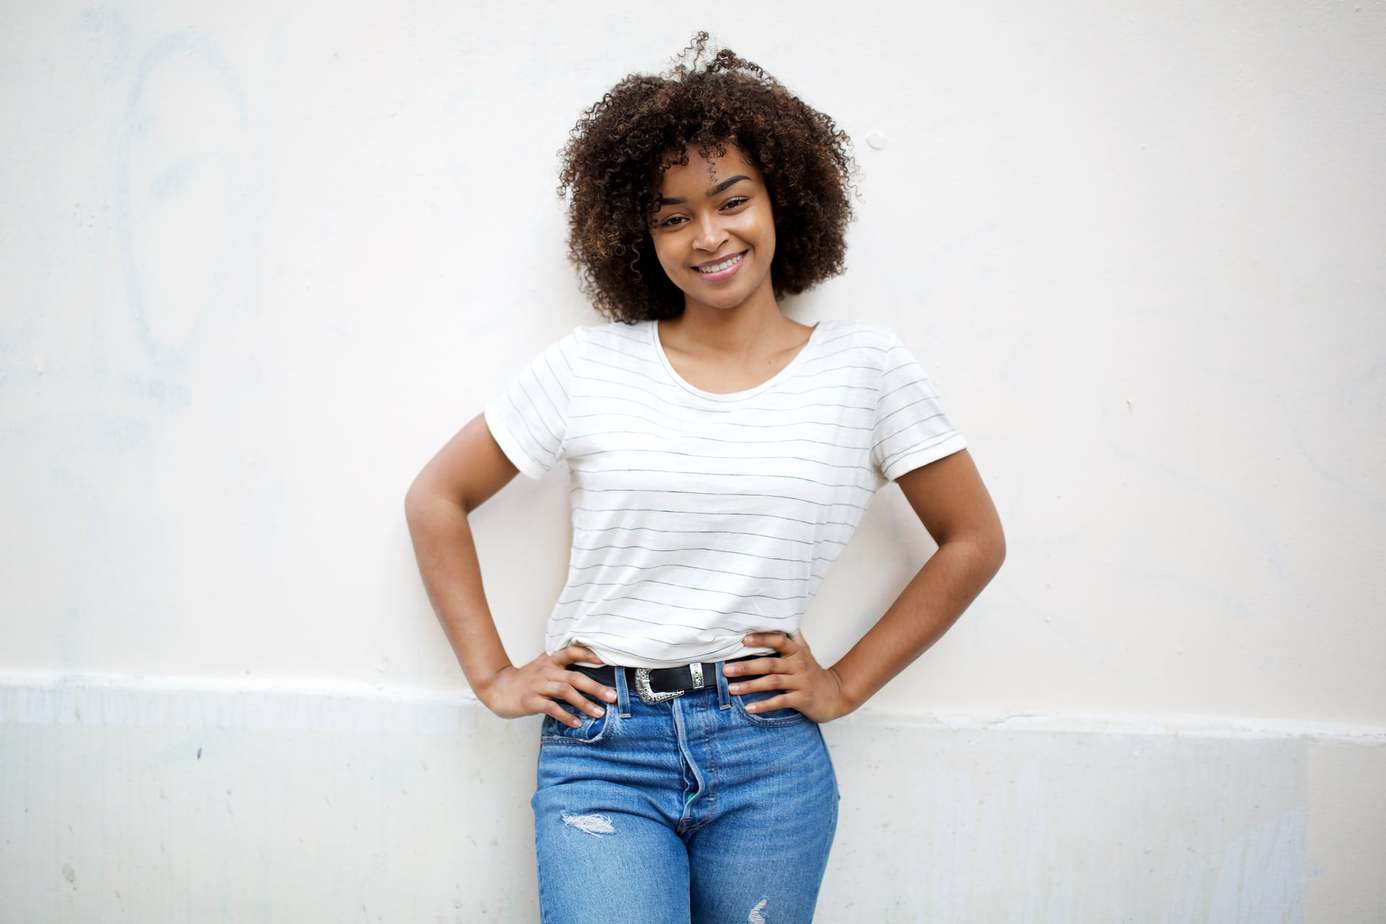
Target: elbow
(986, 549)
(423, 495)
(414, 497)
(998, 554)
(994, 547)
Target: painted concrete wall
(262, 260)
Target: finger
(561, 714)
(591, 685)
(753, 667)
(757, 684)
(567, 655)
(560, 694)
(776, 640)
(557, 709)
(773, 702)
(577, 653)
(766, 665)
(564, 691)
(542, 704)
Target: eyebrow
(669, 200)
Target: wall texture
(262, 260)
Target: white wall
(261, 260)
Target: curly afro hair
(622, 145)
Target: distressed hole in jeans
(755, 916)
(595, 825)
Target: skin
(730, 336)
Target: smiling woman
(717, 246)
(721, 457)
(786, 168)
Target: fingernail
(735, 688)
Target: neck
(744, 330)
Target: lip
(726, 273)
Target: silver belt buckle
(647, 693)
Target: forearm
(451, 574)
(928, 606)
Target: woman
(721, 455)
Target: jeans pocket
(592, 729)
(782, 716)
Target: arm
(954, 506)
(462, 476)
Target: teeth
(725, 264)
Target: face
(712, 209)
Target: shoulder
(612, 335)
(863, 330)
(873, 341)
(585, 340)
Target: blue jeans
(687, 811)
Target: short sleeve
(529, 415)
(911, 428)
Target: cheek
(662, 255)
(763, 227)
(767, 240)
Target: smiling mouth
(723, 266)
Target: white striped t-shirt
(700, 517)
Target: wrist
(846, 703)
(484, 688)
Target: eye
(733, 201)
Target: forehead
(701, 171)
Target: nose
(710, 235)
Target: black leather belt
(657, 684)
